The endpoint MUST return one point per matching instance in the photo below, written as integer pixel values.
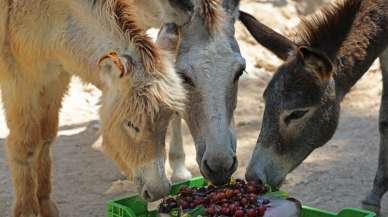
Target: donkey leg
(177, 154)
(380, 185)
(50, 103)
(22, 115)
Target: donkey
(332, 50)
(99, 41)
(209, 61)
(211, 64)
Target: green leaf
(280, 194)
(270, 188)
(175, 212)
(198, 211)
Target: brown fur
(338, 44)
(35, 71)
(150, 54)
(317, 31)
(146, 88)
(123, 12)
(347, 32)
(211, 12)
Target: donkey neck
(363, 44)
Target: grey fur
(211, 64)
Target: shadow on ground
(335, 176)
(73, 186)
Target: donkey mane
(211, 13)
(326, 29)
(146, 93)
(123, 13)
(150, 54)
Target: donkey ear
(316, 62)
(270, 39)
(169, 37)
(230, 5)
(114, 66)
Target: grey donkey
(333, 48)
(210, 63)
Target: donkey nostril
(207, 167)
(231, 166)
(234, 165)
(147, 195)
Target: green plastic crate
(135, 207)
(348, 212)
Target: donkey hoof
(29, 209)
(371, 203)
(181, 174)
(29, 215)
(373, 208)
(48, 209)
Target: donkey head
(301, 108)
(141, 93)
(210, 64)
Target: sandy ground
(335, 176)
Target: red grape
(211, 211)
(251, 213)
(220, 196)
(232, 207)
(225, 211)
(229, 193)
(239, 213)
(244, 201)
(185, 205)
(237, 199)
(252, 199)
(251, 189)
(213, 196)
(261, 211)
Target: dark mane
(326, 29)
(211, 13)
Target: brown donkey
(100, 42)
(332, 50)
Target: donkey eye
(295, 115)
(238, 75)
(130, 125)
(186, 79)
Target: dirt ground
(335, 176)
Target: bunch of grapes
(238, 199)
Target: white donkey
(99, 41)
(140, 90)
